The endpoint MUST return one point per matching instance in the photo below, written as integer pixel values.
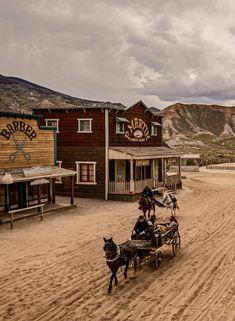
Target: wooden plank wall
(39, 143)
(68, 126)
(137, 111)
(69, 155)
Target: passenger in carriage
(164, 229)
(141, 228)
(148, 194)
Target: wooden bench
(11, 213)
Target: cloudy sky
(159, 51)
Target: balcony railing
(124, 187)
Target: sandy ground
(55, 269)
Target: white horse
(170, 201)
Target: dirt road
(55, 269)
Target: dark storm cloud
(157, 51)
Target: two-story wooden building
(115, 151)
(27, 162)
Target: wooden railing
(172, 180)
(25, 209)
(124, 187)
(119, 187)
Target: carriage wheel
(175, 243)
(157, 260)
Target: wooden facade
(28, 157)
(86, 141)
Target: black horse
(117, 256)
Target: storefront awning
(37, 173)
(142, 152)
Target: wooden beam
(72, 190)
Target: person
(148, 194)
(164, 229)
(141, 227)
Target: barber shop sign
(9, 133)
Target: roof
(145, 106)
(191, 156)
(156, 123)
(122, 120)
(82, 104)
(142, 152)
(20, 115)
(37, 172)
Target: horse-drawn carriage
(132, 250)
(151, 248)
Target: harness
(117, 254)
(171, 200)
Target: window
(119, 127)
(84, 125)
(154, 126)
(86, 172)
(120, 122)
(153, 130)
(53, 123)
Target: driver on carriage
(141, 228)
(148, 194)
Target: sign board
(23, 144)
(137, 131)
(143, 162)
(37, 171)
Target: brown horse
(145, 206)
(117, 256)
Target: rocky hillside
(204, 129)
(18, 95)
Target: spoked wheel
(175, 243)
(157, 260)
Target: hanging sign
(142, 162)
(137, 131)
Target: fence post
(41, 211)
(12, 220)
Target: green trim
(48, 128)
(11, 114)
(55, 140)
(55, 147)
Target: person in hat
(147, 192)
(141, 228)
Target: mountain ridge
(189, 128)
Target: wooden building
(115, 151)
(27, 162)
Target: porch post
(164, 171)
(72, 190)
(53, 191)
(132, 185)
(179, 168)
(153, 170)
(39, 196)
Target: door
(120, 170)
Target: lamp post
(7, 179)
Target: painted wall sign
(137, 131)
(20, 126)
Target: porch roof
(35, 173)
(142, 152)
